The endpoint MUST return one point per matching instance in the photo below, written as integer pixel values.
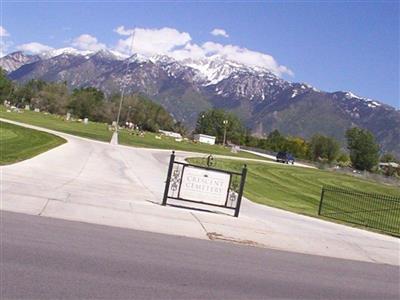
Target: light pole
(225, 122)
(124, 84)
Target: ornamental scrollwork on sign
(175, 179)
(232, 198)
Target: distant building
(203, 138)
(171, 134)
(389, 164)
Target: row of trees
(87, 102)
(362, 150)
(216, 121)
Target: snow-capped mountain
(67, 50)
(16, 60)
(263, 100)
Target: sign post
(241, 189)
(167, 183)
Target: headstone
(68, 117)
(85, 121)
(37, 110)
(27, 107)
(114, 124)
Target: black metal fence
(376, 211)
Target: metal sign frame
(174, 181)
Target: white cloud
(3, 32)
(234, 53)
(34, 48)
(246, 57)
(87, 42)
(188, 51)
(122, 31)
(171, 42)
(151, 41)
(219, 32)
(5, 44)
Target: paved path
(95, 182)
(44, 258)
(273, 158)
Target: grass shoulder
(294, 188)
(18, 143)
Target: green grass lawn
(18, 143)
(100, 131)
(293, 188)
(97, 131)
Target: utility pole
(124, 84)
(225, 122)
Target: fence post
(167, 182)
(320, 202)
(241, 188)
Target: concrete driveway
(95, 182)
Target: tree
(6, 86)
(364, 151)
(343, 159)
(141, 111)
(388, 157)
(276, 141)
(29, 92)
(297, 146)
(53, 98)
(85, 103)
(211, 122)
(324, 147)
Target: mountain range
(261, 99)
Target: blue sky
(352, 46)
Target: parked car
(285, 157)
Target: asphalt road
(44, 258)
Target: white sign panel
(204, 185)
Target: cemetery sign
(205, 185)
